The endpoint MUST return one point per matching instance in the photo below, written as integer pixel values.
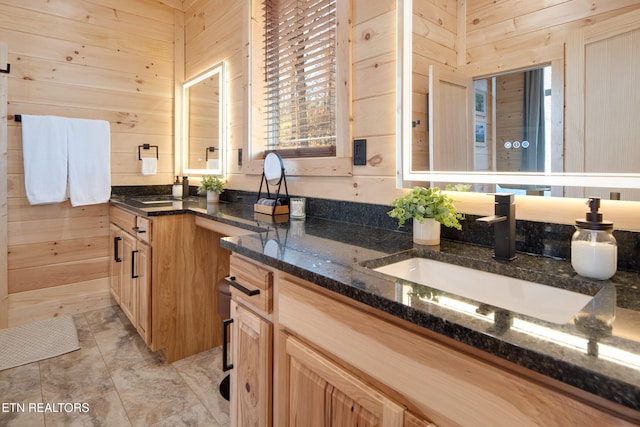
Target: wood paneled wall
(116, 60)
(4, 284)
(214, 32)
(111, 60)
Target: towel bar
(146, 147)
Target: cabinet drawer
(252, 277)
(123, 219)
(143, 229)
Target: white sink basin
(520, 296)
(155, 202)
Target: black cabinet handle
(133, 264)
(138, 229)
(116, 257)
(225, 366)
(231, 281)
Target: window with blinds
(300, 77)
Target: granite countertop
(600, 358)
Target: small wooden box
(269, 210)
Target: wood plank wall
(115, 60)
(214, 32)
(111, 60)
(4, 286)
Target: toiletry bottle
(177, 189)
(594, 252)
(185, 186)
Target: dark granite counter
(591, 352)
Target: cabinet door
(251, 389)
(322, 393)
(115, 265)
(143, 285)
(128, 292)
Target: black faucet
(505, 227)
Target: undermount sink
(155, 202)
(543, 302)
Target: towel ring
(146, 147)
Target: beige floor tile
(152, 393)
(19, 387)
(203, 373)
(119, 378)
(74, 377)
(105, 410)
(197, 416)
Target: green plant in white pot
(428, 207)
(212, 186)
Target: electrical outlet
(359, 152)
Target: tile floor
(114, 380)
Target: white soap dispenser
(177, 189)
(594, 251)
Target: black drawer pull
(231, 281)
(116, 256)
(133, 264)
(138, 229)
(225, 366)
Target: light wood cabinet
(251, 385)
(166, 280)
(322, 393)
(115, 265)
(251, 377)
(130, 271)
(437, 379)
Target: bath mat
(37, 341)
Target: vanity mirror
(455, 128)
(203, 126)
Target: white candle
(297, 205)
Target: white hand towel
(213, 164)
(89, 144)
(44, 151)
(149, 166)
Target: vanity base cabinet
(251, 378)
(251, 386)
(130, 274)
(165, 281)
(434, 379)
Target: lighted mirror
(506, 132)
(203, 126)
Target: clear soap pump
(594, 251)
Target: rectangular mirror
(203, 123)
(506, 132)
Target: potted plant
(429, 208)
(212, 186)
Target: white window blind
(300, 77)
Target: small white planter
(213, 196)
(427, 233)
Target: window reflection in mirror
(594, 157)
(512, 126)
(204, 123)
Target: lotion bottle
(594, 251)
(177, 189)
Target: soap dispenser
(185, 186)
(594, 251)
(177, 189)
